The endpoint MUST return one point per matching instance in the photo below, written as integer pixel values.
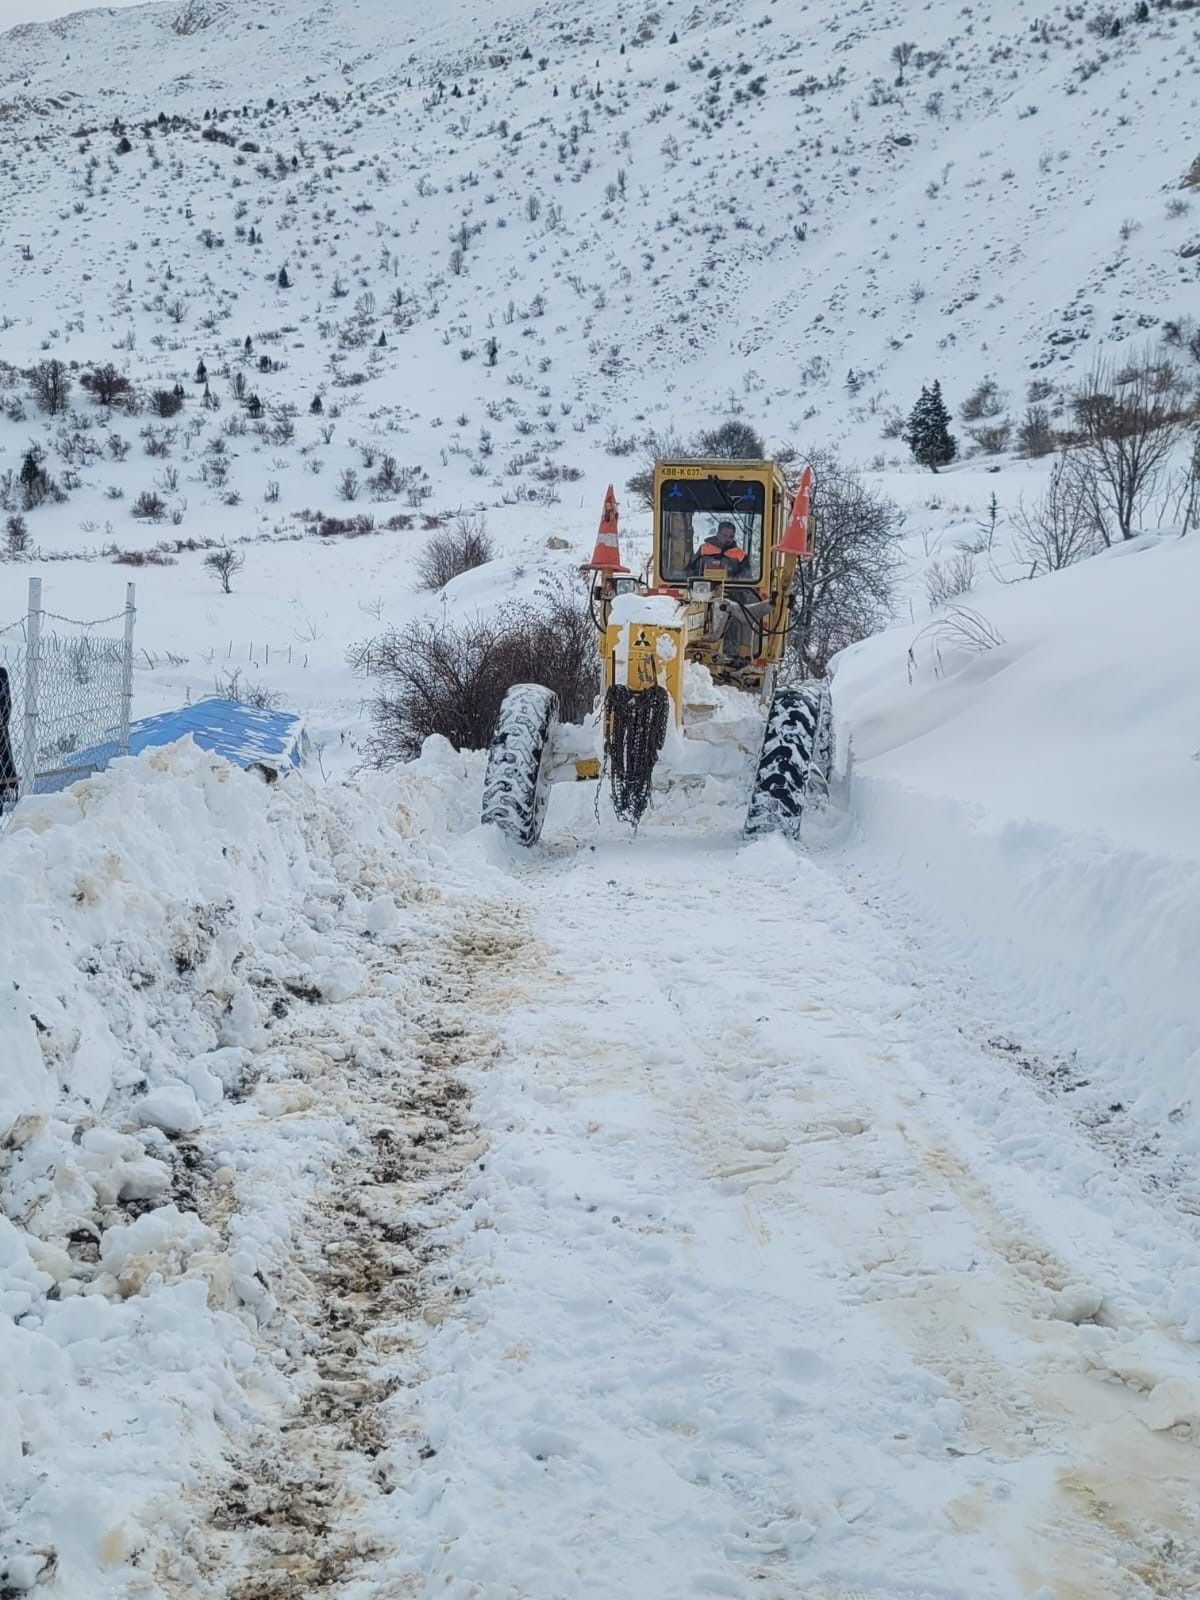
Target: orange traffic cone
(607, 555)
(795, 535)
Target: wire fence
(65, 693)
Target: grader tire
(516, 786)
(796, 759)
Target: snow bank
(1045, 791)
(169, 911)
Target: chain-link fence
(65, 691)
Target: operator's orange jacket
(734, 551)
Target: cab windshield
(711, 523)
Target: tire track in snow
(306, 1512)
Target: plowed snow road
(753, 1266)
(760, 1303)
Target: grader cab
(689, 653)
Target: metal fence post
(33, 655)
(127, 668)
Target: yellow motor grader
(689, 655)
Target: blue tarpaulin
(244, 734)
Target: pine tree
(283, 280)
(927, 433)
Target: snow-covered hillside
(515, 237)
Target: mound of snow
(1045, 791)
(155, 901)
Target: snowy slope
(650, 231)
(1043, 793)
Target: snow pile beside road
(1045, 790)
(178, 923)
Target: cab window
(700, 517)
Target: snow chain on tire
(635, 726)
(796, 759)
(516, 786)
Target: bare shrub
(16, 536)
(192, 17)
(230, 686)
(453, 551)
(450, 679)
(846, 589)
(223, 564)
(993, 438)
(107, 385)
(961, 631)
(731, 440)
(149, 506)
(902, 55)
(143, 558)
(1060, 529)
(1183, 333)
(51, 386)
(1186, 490)
(1035, 436)
(946, 580)
(348, 527)
(166, 403)
(387, 480)
(985, 400)
(655, 445)
(1128, 421)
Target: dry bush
(450, 678)
(992, 438)
(960, 631)
(985, 400)
(350, 527)
(1061, 528)
(229, 686)
(1128, 421)
(192, 17)
(1183, 333)
(143, 558)
(453, 551)
(652, 446)
(224, 564)
(947, 580)
(731, 440)
(149, 505)
(846, 589)
(1035, 436)
(50, 383)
